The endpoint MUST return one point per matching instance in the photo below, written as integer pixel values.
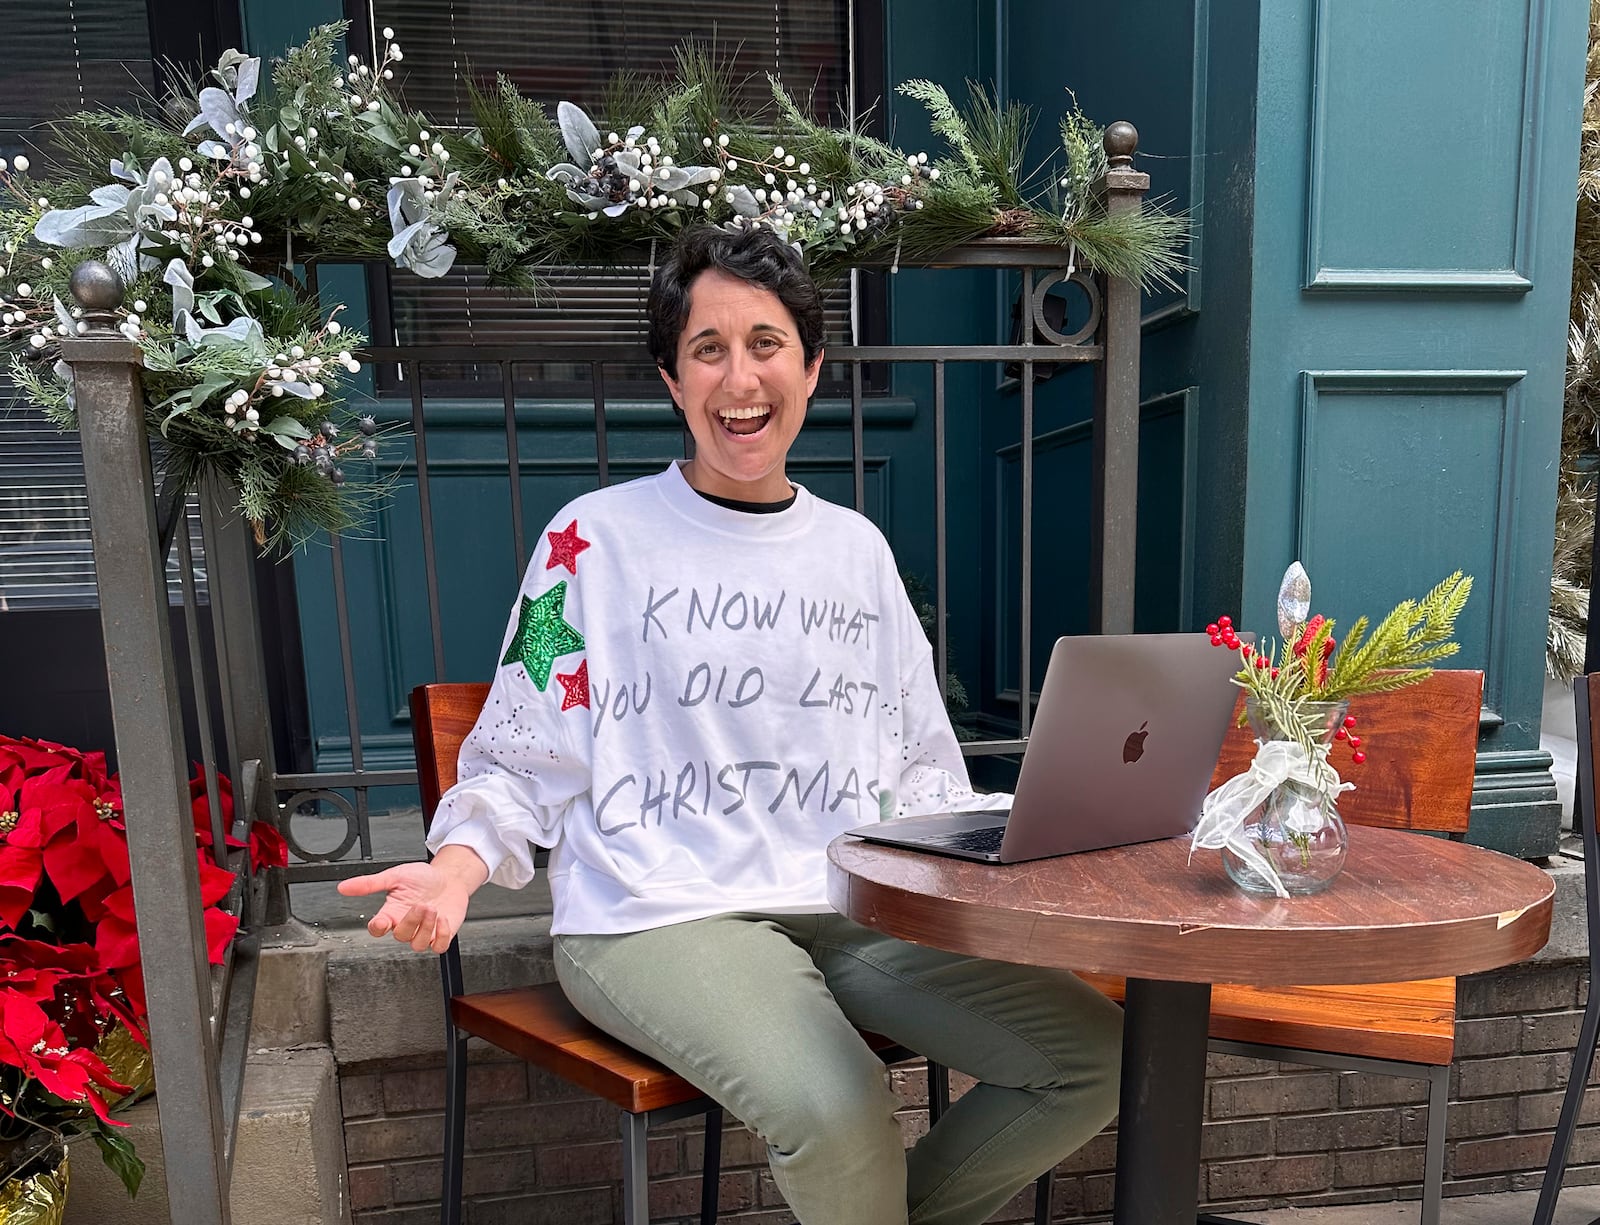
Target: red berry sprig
(1222, 634)
(1347, 732)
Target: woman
(710, 674)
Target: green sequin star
(542, 635)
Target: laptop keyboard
(983, 841)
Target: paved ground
(1577, 1206)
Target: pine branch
(946, 121)
(998, 133)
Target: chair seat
(539, 1025)
(1413, 1022)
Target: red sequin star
(565, 547)
(576, 685)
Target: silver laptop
(1122, 748)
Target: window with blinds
(55, 59)
(562, 50)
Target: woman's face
(743, 384)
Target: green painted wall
(1362, 369)
(1376, 332)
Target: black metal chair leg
(1041, 1197)
(455, 1090)
(635, 1169)
(1582, 1058)
(711, 1167)
(938, 1091)
(455, 1125)
(1433, 1164)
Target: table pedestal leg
(1163, 1099)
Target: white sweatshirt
(691, 702)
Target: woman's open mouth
(745, 422)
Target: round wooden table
(1406, 906)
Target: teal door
(1373, 339)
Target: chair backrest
(441, 717)
(1421, 744)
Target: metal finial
(96, 286)
(1120, 141)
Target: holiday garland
(224, 187)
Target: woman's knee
(842, 1117)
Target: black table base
(1163, 1101)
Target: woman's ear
(813, 373)
(672, 387)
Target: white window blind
(55, 59)
(558, 51)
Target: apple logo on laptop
(1133, 747)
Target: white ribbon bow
(1223, 814)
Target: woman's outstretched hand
(425, 902)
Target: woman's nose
(739, 378)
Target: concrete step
(1577, 1206)
(289, 1168)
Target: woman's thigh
(1015, 1025)
(734, 1005)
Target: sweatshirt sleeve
(524, 760)
(933, 774)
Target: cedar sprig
(1401, 650)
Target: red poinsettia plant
(73, 1016)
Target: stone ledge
(383, 1001)
(289, 1168)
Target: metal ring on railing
(291, 807)
(1091, 290)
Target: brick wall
(541, 1153)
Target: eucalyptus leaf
(217, 110)
(744, 203)
(208, 387)
(252, 281)
(181, 279)
(289, 432)
(89, 225)
(578, 132)
(248, 81)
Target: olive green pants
(760, 1012)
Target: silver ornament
(1294, 601)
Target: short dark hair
(755, 254)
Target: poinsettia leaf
(220, 928)
(42, 919)
(116, 1150)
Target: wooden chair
(538, 1025)
(1586, 696)
(1423, 749)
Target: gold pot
(37, 1199)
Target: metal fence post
(235, 612)
(1115, 486)
(150, 749)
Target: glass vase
(1297, 828)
